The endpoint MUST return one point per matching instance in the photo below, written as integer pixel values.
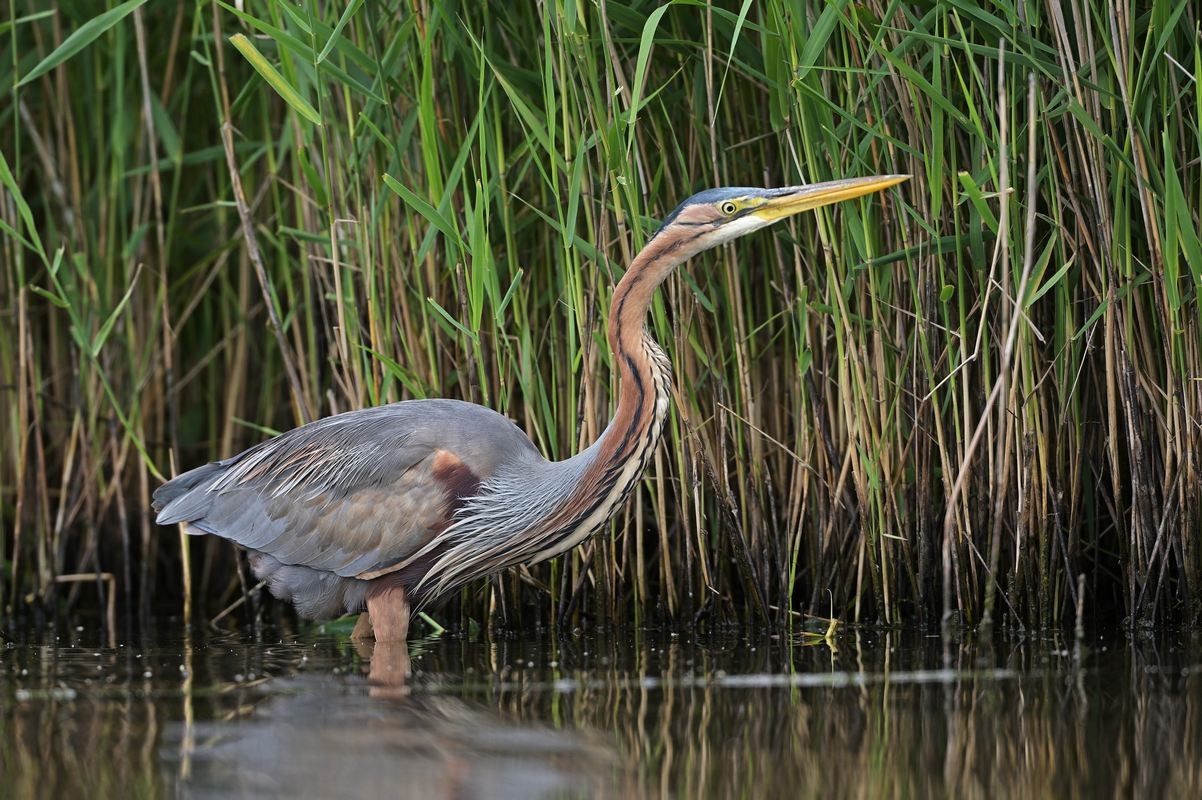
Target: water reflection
(885, 715)
(313, 740)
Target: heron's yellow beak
(781, 203)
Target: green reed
(946, 402)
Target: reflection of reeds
(89, 742)
(864, 407)
(1042, 728)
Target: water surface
(262, 713)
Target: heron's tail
(184, 498)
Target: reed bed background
(974, 398)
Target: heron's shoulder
(412, 416)
(475, 434)
(449, 417)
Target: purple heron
(384, 507)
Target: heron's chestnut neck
(634, 293)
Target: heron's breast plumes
(537, 510)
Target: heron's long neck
(605, 473)
(642, 369)
(572, 499)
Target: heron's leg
(362, 631)
(389, 611)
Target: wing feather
(348, 493)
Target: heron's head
(716, 216)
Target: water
(248, 714)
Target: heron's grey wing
(351, 494)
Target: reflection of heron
(409, 500)
(316, 735)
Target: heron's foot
(363, 631)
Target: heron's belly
(316, 593)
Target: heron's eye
(729, 208)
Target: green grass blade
(347, 13)
(274, 79)
(81, 38)
(646, 42)
(429, 212)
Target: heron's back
(350, 496)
